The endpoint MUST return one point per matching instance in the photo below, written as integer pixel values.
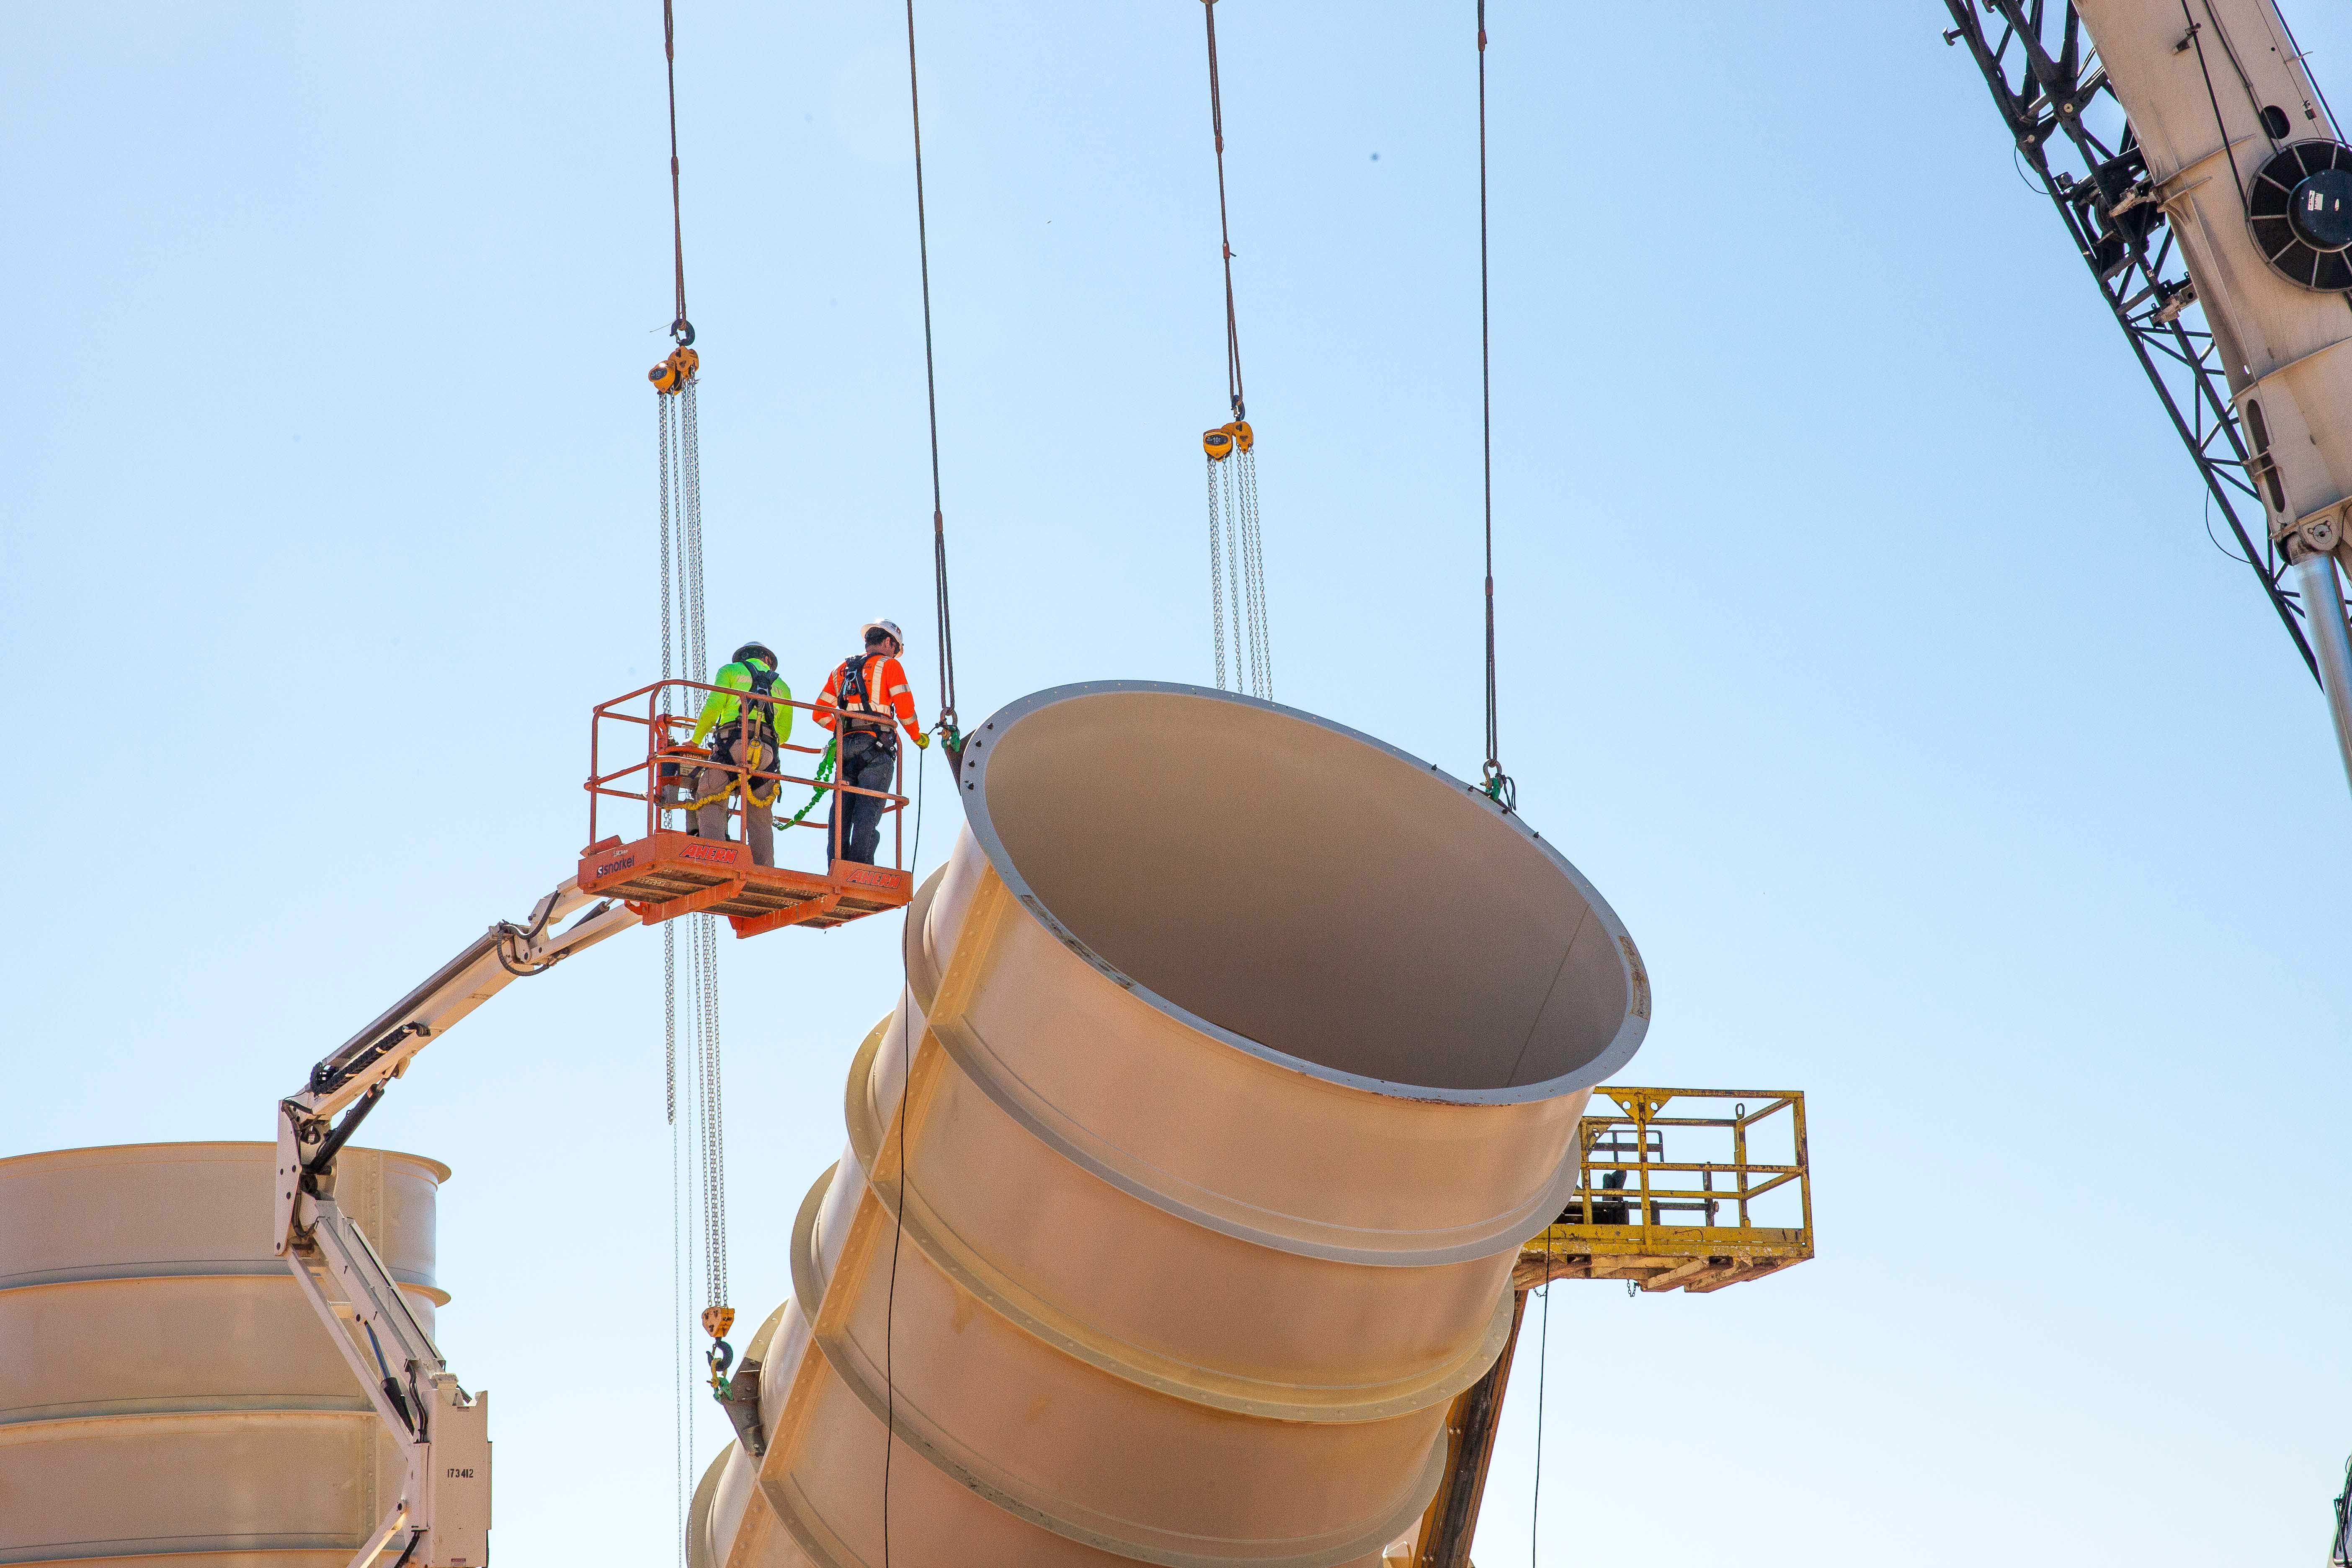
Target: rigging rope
(1497, 784)
(949, 733)
(1236, 541)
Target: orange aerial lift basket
(668, 870)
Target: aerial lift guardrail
(1632, 1220)
(667, 872)
(444, 1499)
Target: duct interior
(1339, 903)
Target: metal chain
(1217, 575)
(681, 541)
(1237, 564)
(1261, 635)
(714, 1125)
(662, 411)
(669, 1024)
(680, 1366)
(681, 1250)
(1253, 606)
(690, 467)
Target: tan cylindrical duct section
(1237, 1053)
(165, 1392)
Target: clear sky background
(1860, 638)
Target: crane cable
(951, 740)
(1237, 540)
(679, 329)
(1225, 225)
(1495, 781)
(951, 737)
(698, 1190)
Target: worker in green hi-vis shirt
(751, 735)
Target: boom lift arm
(444, 1498)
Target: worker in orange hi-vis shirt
(860, 699)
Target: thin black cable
(1224, 226)
(1543, 1361)
(2220, 126)
(906, 1073)
(2340, 1550)
(2296, 45)
(1498, 784)
(931, 405)
(679, 329)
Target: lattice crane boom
(2219, 226)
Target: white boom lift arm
(445, 1497)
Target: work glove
(923, 742)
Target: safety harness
(754, 723)
(855, 702)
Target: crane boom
(444, 1499)
(2227, 200)
(2219, 225)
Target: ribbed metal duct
(164, 1391)
(1237, 1053)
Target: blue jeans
(866, 763)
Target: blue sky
(1860, 640)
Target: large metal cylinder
(165, 1391)
(1236, 1055)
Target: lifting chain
(1237, 555)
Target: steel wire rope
(1498, 785)
(905, 1181)
(1225, 225)
(946, 625)
(1543, 1363)
(2220, 126)
(953, 741)
(679, 329)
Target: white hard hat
(870, 627)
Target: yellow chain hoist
(675, 372)
(1226, 439)
(716, 1321)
